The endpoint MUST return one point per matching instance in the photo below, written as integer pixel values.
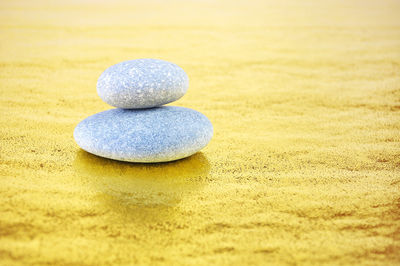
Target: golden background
(303, 168)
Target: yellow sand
(304, 166)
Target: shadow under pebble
(141, 187)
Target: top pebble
(142, 83)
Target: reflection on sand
(131, 185)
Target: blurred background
(303, 167)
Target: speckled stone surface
(146, 135)
(142, 83)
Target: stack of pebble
(140, 129)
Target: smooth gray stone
(142, 83)
(146, 135)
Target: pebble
(144, 135)
(142, 83)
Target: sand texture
(303, 168)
